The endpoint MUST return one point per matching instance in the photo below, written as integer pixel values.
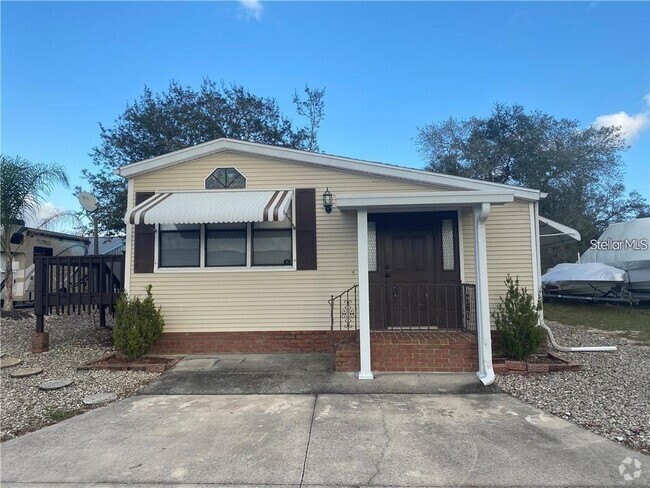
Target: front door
(412, 284)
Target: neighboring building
(243, 255)
(108, 245)
(28, 243)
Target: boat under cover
(583, 279)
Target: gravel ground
(73, 339)
(610, 396)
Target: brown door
(407, 275)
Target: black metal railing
(408, 306)
(469, 307)
(77, 283)
(415, 306)
(344, 316)
(344, 311)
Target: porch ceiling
(421, 200)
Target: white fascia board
(421, 199)
(318, 159)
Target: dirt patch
(16, 314)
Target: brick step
(435, 351)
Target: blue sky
(387, 67)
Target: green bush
(138, 325)
(516, 318)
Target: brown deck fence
(77, 284)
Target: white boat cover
(588, 272)
(621, 246)
(212, 207)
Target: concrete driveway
(311, 373)
(318, 440)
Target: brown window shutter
(306, 228)
(143, 241)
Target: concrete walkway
(317, 440)
(308, 373)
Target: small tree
(516, 318)
(138, 325)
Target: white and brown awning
(212, 207)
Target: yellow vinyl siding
(508, 247)
(194, 301)
(262, 299)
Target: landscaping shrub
(138, 325)
(516, 318)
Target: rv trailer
(27, 244)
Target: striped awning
(212, 207)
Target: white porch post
(130, 202)
(485, 372)
(364, 294)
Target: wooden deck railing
(75, 284)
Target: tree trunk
(9, 281)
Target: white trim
(249, 245)
(318, 159)
(225, 269)
(365, 372)
(128, 251)
(485, 372)
(421, 199)
(461, 258)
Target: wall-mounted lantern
(327, 200)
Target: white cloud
(49, 217)
(253, 8)
(44, 212)
(631, 125)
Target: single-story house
(257, 248)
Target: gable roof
(323, 160)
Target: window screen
(225, 245)
(272, 244)
(179, 246)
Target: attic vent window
(225, 179)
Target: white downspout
(485, 372)
(573, 349)
(538, 281)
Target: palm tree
(23, 186)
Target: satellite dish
(87, 201)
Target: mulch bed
(535, 364)
(149, 364)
